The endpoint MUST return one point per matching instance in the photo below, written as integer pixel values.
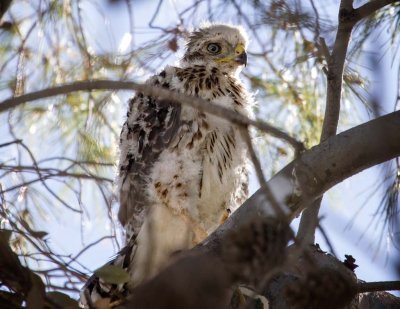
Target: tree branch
(309, 219)
(158, 92)
(335, 74)
(317, 170)
(260, 175)
(348, 17)
(364, 287)
(297, 185)
(11, 143)
(370, 8)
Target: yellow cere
(239, 49)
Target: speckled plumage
(181, 171)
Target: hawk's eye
(214, 48)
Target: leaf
(112, 274)
(62, 300)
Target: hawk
(181, 171)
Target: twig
(55, 172)
(317, 28)
(10, 143)
(260, 175)
(326, 238)
(159, 92)
(324, 48)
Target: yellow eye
(213, 48)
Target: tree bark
(317, 170)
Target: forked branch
(348, 17)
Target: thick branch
(378, 286)
(370, 8)
(150, 90)
(317, 170)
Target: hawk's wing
(150, 127)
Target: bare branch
(159, 92)
(370, 8)
(317, 170)
(309, 219)
(348, 17)
(10, 143)
(260, 175)
(335, 75)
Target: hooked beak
(241, 56)
(242, 59)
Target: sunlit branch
(159, 92)
(317, 170)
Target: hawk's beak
(240, 55)
(242, 58)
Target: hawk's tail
(96, 292)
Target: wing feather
(150, 127)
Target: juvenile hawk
(181, 171)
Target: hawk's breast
(212, 146)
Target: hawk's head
(223, 45)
